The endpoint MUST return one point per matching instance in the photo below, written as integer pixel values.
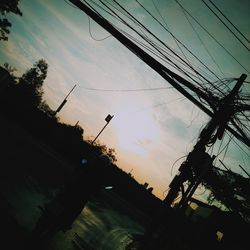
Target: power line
(244, 171)
(159, 46)
(225, 25)
(224, 165)
(144, 37)
(226, 147)
(178, 45)
(240, 147)
(227, 51)
(126, 90)
(157, 54)
(189, 51)
(229, 20)
(101, 39)
(242, 125)
(156, 47)
(178, 42)
(70, 4)
(147, 40)
(171, 173)
(151, 50)
(203, 43)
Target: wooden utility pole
(198, 160)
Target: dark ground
(31, 173)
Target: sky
(151, 129)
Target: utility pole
(107, 119)
(63, 102)
(197, 162)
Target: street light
(107, 119)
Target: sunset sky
(151, 129)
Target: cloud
(13, 53)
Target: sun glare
(136, 131)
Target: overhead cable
(181, 44)
(203, 43)
(149, 41)
(227, 51)
(176, 42)
(127, 90)
(229, 21)
(225, 25)
(101, 39)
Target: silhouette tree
(7, 78)
(7, 6)
(11, 71)
(31, 83)
(9, 68)
(230, 189)
(46, 108)
(100, 148)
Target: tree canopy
(229, 189)
(32, 81)
(7, 6)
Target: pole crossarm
(174, 79)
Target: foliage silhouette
(7, 6)
(31, 82)
(230, 189)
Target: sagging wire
(175, 163)
(96, 39)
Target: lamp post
(107, 119)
